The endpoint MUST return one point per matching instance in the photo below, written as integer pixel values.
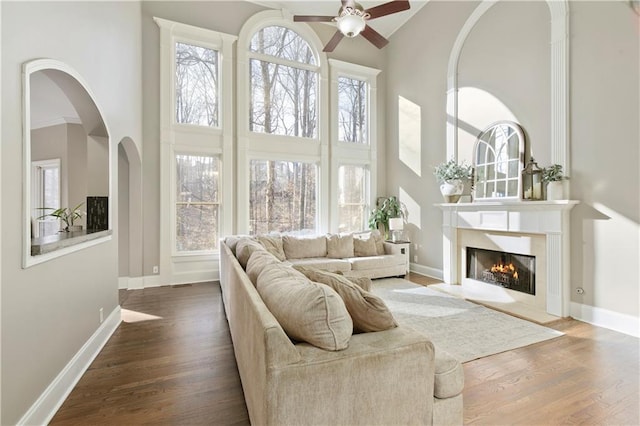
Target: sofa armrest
(382, 378)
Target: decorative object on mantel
(451, 176)
(553, 177)
(386, 209)
(498, 158)
(67, 216)
(532, 188)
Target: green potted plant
(67, 216)
(553, 177)
(451, 176)
(387, 208)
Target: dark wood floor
(176, 366)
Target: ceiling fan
(352, 20)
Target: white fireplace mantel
(549, 218)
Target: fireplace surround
(534, 228)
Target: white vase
(452, 190)
(555, 190)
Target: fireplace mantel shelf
(510, 205)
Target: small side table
(401, 247)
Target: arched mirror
(498, 159)
(67, 163)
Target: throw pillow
(364, 247)
(339, 246)
(377, 236)
(273, 244)
(302, 248)
(362, 282)
(307, 311)
(257, 262)
(368, 311)
(244, 249)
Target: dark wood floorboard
(180, 369)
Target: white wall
(604, 104)
(51, 309)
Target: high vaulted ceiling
(385, 25)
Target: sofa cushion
(273, 244)
(368, 311)
(244, 249)
(364, 247)
(373, 262)
(377, 236)
(324, 263)
(258, 260)
(449, 379)
(300, 248)
(307, 311)
(232, 241)
(362, 282)
(339, 246)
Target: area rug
(464, 329)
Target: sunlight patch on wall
(409, 131)
(413, 209)
(477, 109)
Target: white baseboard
(123, 283)
(426, 270)
(46, 406)
(616, 321)
(150, 281)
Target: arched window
(283, 86)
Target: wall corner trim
(46, 406)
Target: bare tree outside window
(197, 202)
(283, 197)
(352, 198)
(283, 96)
(196, 85)
(352, 110)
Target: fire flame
(507, 269)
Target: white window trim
(37, 189)
(347, 153)
(253, 145)
(180, 267)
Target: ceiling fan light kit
(352, 21)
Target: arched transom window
(283, 84)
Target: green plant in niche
(452, 170)
(387, 208)
(553, 173)
(65, 214)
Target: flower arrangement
(452, 170)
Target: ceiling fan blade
(388, 8)
(374, 37)
(333, 42)
(312, 18)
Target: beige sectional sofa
(356, 255)
(300, 362)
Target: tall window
(352, 110)
(197, 202)
(283, 196)
(45, 183)
(283, 84)
(196, 85)
(352, 198)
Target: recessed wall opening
(508, 270)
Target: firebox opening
(509, 270)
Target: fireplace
(508, 270)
